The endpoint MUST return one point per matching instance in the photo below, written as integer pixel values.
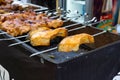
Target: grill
(73, 65)
(60, 57)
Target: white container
(26, 1)
(76, 6)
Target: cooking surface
(59, 57)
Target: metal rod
(66, 21)
(95, 23)
(13, 38)
(19, 36)
(76, 28)
(19, 43)
(74, 16)
(72, 25)
(54, 17)
(44, 51)
(3, 33)
(99, 33)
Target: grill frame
(43, 57)
(83, 67)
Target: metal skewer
(95, 23)
(34, 54)
(66, 21)
(99, 33)
(64, 27)
(76, 28)
(13, 38)
(18, 43)
(72, 25)
(3, 33)
(41, 52)
(18, 36)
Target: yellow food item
(43, 35)
(72, 43)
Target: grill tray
(60, 57)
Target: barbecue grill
(76, 65)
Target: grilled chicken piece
(55, 23)
(15, 27)
(39, 16)
(32, 32)
(3, 11)
(42, 36)
(2, 2)
(72, 43)
(50, 22)
(19, 23)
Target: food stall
(24, 55)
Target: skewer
(95, 23)
(72, 25)
(13, 38)
(44, 51)
(66, 21)
(18, 43)
(34, 54)
(3, 33)
(76, 28)
(99, 33)
(27, 35)
(56, 17)
(46, 11)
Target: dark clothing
(116, 13)
(97, 8)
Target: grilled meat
(43, 35)
(7, 6)
(20, 23)
(15, 27)
(2, 2)
(72, 43)
(55, 23)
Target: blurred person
(116, 11)
(97, 9)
